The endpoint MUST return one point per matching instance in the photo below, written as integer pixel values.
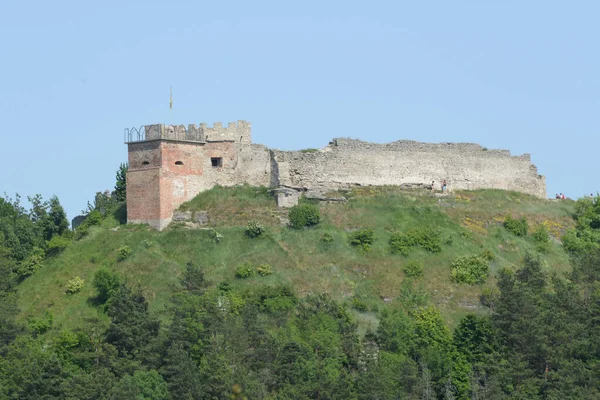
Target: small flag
(171, 98)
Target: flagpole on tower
(171, 105)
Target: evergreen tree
(121, 184)
(131, 326)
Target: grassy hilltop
(312, 260)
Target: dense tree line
(540, 340)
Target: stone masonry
(170, 165)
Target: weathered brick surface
(174, 164)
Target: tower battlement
(240, 131)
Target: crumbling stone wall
(346, 162)
(173, 164)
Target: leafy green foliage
(413, 268)
(517, 227)
(123, 252)
(470, 269)
(39, 325)
(363, 239)
(146, 385)
(121, 182)
(131, 326)
(426, 238)
(254, 230)
(585, 237)
(107, 284)
(303, 215)
(541, 238)
(75, 285)
(245, 270)
(326, 238)
(57, 245)
(264, 269)
(359, 304)
(32, 263)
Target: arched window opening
(145, 163)
(178, 162)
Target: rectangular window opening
(216, 162)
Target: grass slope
(469, 222)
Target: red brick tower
(169, 165)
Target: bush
(470, 269)
(487, 254)
(106, 283)
(245, 270)
(541, 237)
(363, 239)
(304, 215)
(489, 295)
(362, 236)
(216, 236)
(426, 238)
(327, 238)
(517, 227)
(359, 305)
(31, 264)
(39, 325)
(123, 253)
(57, 245)
(413, 268)
(264, 269)
(254, 230)
(93, 218)
(75, 285)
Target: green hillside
(312, 260)
(389, 294)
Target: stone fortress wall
(170, 165)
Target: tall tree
(132, 326)
(121, 185)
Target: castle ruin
(169, 165)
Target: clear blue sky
(518, 75)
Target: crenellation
(172, 164)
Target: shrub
(363, 239)
(413, 268)
(489, 295)
(264, 269)
(327, 238)
(541, 237)
(517, 227)
(106, 283)
(359, 305)
(31, 264)
(487, 254)
(39, 325)
(216, 236)
(426, 238)
(304, 215)
(254, 230)
(93, 218)
(362, 236)
(75, 285)
(470, 269)
(401, 243)
(123, 253)
(245, 270)
(57, 245)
